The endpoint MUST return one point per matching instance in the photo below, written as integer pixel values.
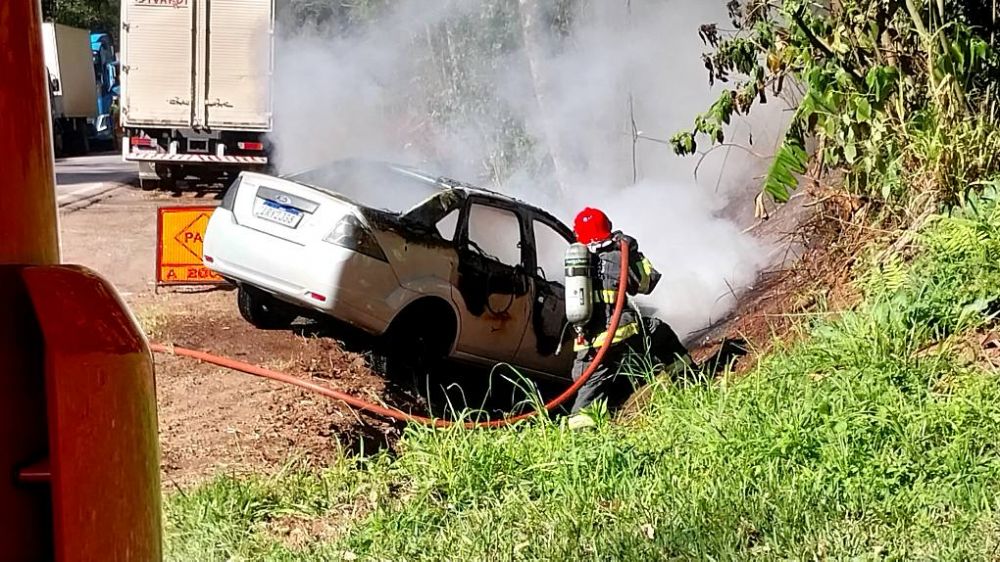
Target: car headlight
(351, 234)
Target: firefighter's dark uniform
(634, 334)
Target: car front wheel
(262, 310)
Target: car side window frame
(462, 239)
(454, 234)
(555, 225)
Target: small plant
(152, 319)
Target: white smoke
(364, 94)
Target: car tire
(262, 310)
(417, 342)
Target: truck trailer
(196, 87)
(72, 86)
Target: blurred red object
(78, 433)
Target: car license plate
(271, 211)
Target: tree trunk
(534, 39)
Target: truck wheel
(58, 144)
(70, 142)
(75, 141)
(84, 139)
(168, 176)
(262, 310)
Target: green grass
(876, 436)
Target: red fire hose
(400, 415)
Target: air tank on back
(579, 286)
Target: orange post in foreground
(79, 462)
(27, 191)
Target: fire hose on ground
(399, 415)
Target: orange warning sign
(179, 235)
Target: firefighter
(636, 336)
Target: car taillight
(143, 141)
(250, 146)
(229, 199)
(351, 234)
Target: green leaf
(880, 81)
(830, 156)
(973, 309)
(850, 152)
(864, 110)
(684, 143)
(722, 109)
(790, 160)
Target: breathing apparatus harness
(579, 307)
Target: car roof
(496, 195)
(444, 181)
(361, 162)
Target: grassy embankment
(875, 434)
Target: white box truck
(196, 86)
(72, 86)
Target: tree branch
(918, 21)
(822, 46)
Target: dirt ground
(216, 421)
(213, 420)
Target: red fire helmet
(592, 225)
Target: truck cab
(106, 75)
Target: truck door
(157, 62)
(238, 54)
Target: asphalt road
(82, 179)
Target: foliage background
(898, 94)
(95, 15)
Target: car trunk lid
(285, 209)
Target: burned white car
(438, 267)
